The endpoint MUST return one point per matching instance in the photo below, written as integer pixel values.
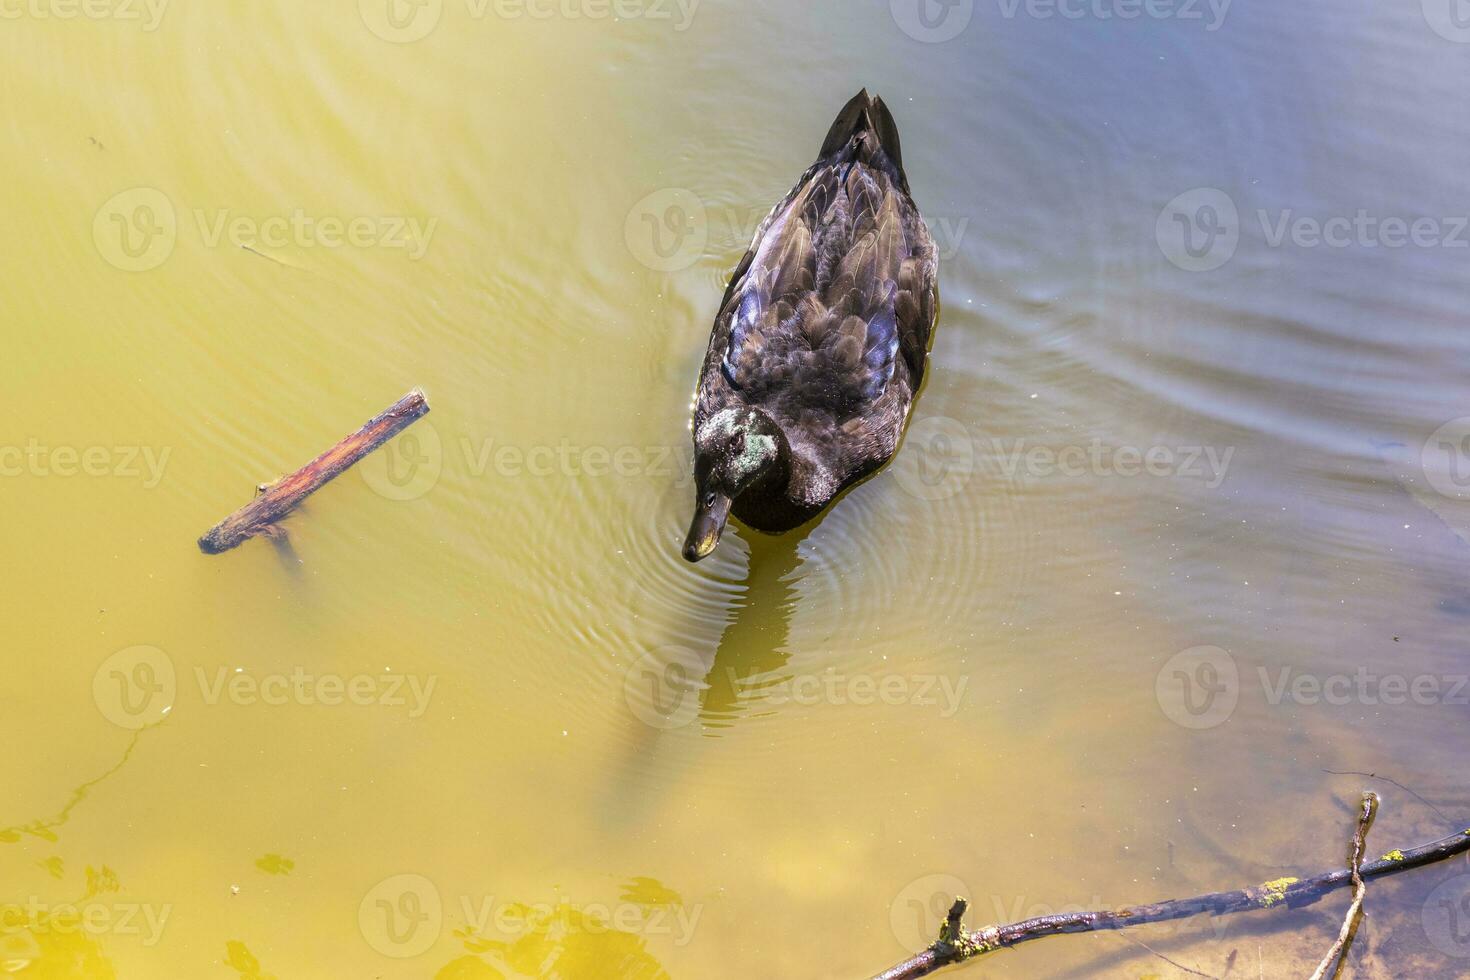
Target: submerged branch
(263, 514)
(955, 945)
(1367, 811)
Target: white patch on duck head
(720, 430)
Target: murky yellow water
(482, 721)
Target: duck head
(733, 450)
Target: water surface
(481, 708)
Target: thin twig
(1366, 812)
(1392, 782)
(45, 828)
(956, 945)
(1173, 963)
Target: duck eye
(709, 499)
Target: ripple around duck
(908, 541)
(627, 593)
(691, 602)
(764, 609)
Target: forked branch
(956, 945)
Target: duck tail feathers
(865, 113)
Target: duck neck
(774, 479)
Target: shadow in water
(1441, 524)
(755, 641)
(239, 958)
(60, 941)
(280, 539)
(681, 690)
(45, 827)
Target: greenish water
(1185, 497)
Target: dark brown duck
(820, 342)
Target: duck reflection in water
(755, 642)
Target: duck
(821, 340)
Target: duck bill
(704, 531)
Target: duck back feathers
(825, 325)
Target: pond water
(1180, 532)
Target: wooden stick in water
(1331, 964)
(956, 944)
(263, 514)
